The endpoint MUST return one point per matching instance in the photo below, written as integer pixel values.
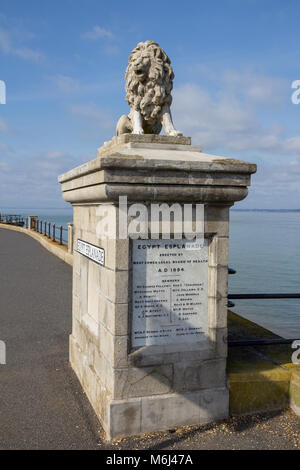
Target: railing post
(60, 235)
(32, 219)
(53, 232)
(49, 230)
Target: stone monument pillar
(149, 337)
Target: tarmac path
(42, 405)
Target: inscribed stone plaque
(169, 291)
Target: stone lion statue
(149, 81)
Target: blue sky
(64, 61)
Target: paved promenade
(42, 405)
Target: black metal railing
(264, 341)
(264, 296)
(56, 233)
(261, 342)
(12, 219)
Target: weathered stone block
(117, 257)
(90, 324)
(93, 290)
(218, 309)
(216, 219)
(114, 285)
(76, 357)
(172, 353)
(106, 221)
(169, 411)
(124, 418)
(84, 266)
(214, 405)
(189, 376)
(140, 382)
(218, 281)
(77, 284)
(222, 251)
(76, 307)
(76, 262)
(114, 348)
(89, 236)
(218, 338)
(114, 317)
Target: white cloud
(92, 114)
(4, 167)
(234, 118)
(111, 49)
(27, 174)
(257, 88)
(252, 87)
(8, 47)
(56, 155)
(5, 42)
(5, 149)
(3, 125)
(49, 165)
(277, 185)
(53, 160)
(224, 121)
(27, 54)
(93, 124)
(66, 84)
(97, 32)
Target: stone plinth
(138, 382)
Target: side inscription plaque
(93, 252)
(169, 291)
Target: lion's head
(149, 80)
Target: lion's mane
(150, 95)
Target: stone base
(152, 413)
(163, 412)
(142, 139)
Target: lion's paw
(138, 131)
(175, 133)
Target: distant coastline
(266, 210)
(69, 209)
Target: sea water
(264, 249)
